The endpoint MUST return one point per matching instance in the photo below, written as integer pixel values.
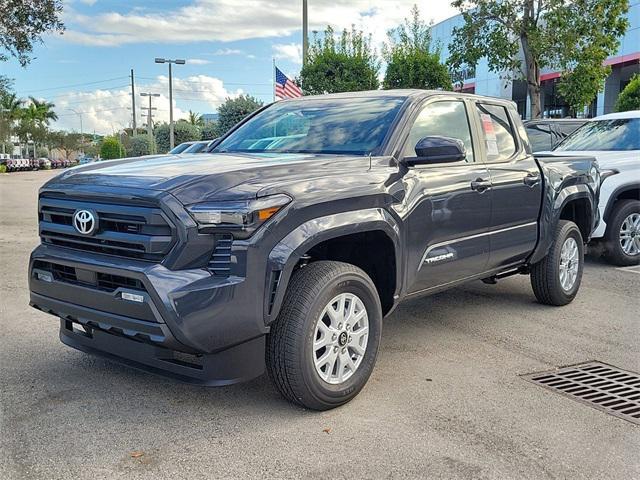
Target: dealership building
(624, 64)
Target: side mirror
(437, 149)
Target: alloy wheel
(630, 235)
(340, 338)
(569, 263)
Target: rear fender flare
(288, 252)
(551, 216)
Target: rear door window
(498, 132)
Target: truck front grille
(132, 231)
(101, 281)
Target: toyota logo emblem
(85, 222)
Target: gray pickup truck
(288, 242)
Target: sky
(229, 46)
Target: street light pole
(81, 131)
(170, 62)
(305, 33)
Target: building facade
(624, 64)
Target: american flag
(285, 88)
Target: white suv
(614, 139)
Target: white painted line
(634, 269)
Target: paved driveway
(445, 399)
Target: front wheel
(556, 278)
(322, 347)
(623, 234)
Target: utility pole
(81, 132)
(133, 104)
(150, 118)
(170, 62)
(305, 33)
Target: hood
(201, 177)
(605, 158)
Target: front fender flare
(288, 252)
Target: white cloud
(230, 20)
(291, 52)
(106, 111)
(198, 61)
(223, 52)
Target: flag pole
(274, 78)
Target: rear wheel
(556, 278)
(322, 348)
(623, 234)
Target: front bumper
(187, 324)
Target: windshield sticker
(490, 134)
(492, 147)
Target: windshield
(349, 126)
(196, 147)
(180, 148)
(616, 134)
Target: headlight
(240, 217)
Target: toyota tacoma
(286, 244)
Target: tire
(290, 354)
(546, 278)
(615, 253)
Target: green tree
(183, 132)
(67, 143)
(11, 107)
(233, 110)
(573, 36)
(210, 131)
(195, 119)
(139, 146)
(410, 61)
(346, 64)
(629, 98)
(111, 148)
(23, 22)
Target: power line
(76, 85)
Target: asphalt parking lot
(446, 399)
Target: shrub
(183, 132)
(140, 145)
(629, 98)
(210, 131)
(42, 152)
(3, 169)
(111, 148)
(233, 110)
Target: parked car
(287, 251)
(546, 134)
(180, 148)
(614, 139)
(23, 164)
(44, 163)
(85, 160)
(198, 147)
(34, 164)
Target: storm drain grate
(607, 388)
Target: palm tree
(195, 119)
(10, 112)
(44, 111)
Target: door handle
(531, 180)
(480, 185)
